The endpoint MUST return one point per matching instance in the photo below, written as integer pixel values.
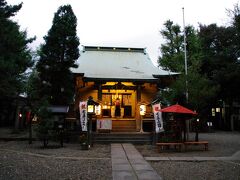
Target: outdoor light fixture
(91, 111)
(213, 112)
(142, 113)
(217, 109)
(98, 110)
(90, 106)
(142, 110)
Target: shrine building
(121, 80)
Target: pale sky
(130, 23)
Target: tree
(57, 56)
(172, 51)
(15, 58)
(234, 68)
(220, 59)
(199, 88)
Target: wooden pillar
(138, 117)
(100, 92)
(139, 93)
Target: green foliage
(6, 11)
(15, 56)
(33, 89)
(200, 89)
(57, 56)
(45, 127)
(172, 55)
(220, 62)
(213, 57)
(15, 59)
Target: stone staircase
(123, 131)
(123, 126)
(123, 137)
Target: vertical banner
(158, 118)
(83, 115)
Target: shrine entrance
(118, 105)
(118, 100)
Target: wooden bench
(169, 144)
(205, 143)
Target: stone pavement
(128, 163)
(234, 157)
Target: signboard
(83, 115)
(158, 118)
(105, 124)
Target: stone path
(128, 163)
(234, 157)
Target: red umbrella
(178, 109)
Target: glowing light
(142, 110)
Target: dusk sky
(130, 23)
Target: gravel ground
(54, 149)
(20, 161)
(212, 170)
(220, 144)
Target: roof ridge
(115, 48)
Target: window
(126, 99)
(107, 99)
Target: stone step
(124, 126)
(135, 138)
(133, 141)
(123, 130)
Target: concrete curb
(193, 159)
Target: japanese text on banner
(83, 115)
(158, 118)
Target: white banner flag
(83, 115)
(158, 118)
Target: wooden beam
(100, 92)
(139, 91)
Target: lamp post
(142, 113)
(29, 121)
(197, 123)
(218, 117)
(186, 68)
(91, 112)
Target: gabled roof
(110, 63)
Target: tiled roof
(117, 63)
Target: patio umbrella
(178, 109)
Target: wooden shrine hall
(120, 80)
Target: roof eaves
(89, 79)
(165, 75)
